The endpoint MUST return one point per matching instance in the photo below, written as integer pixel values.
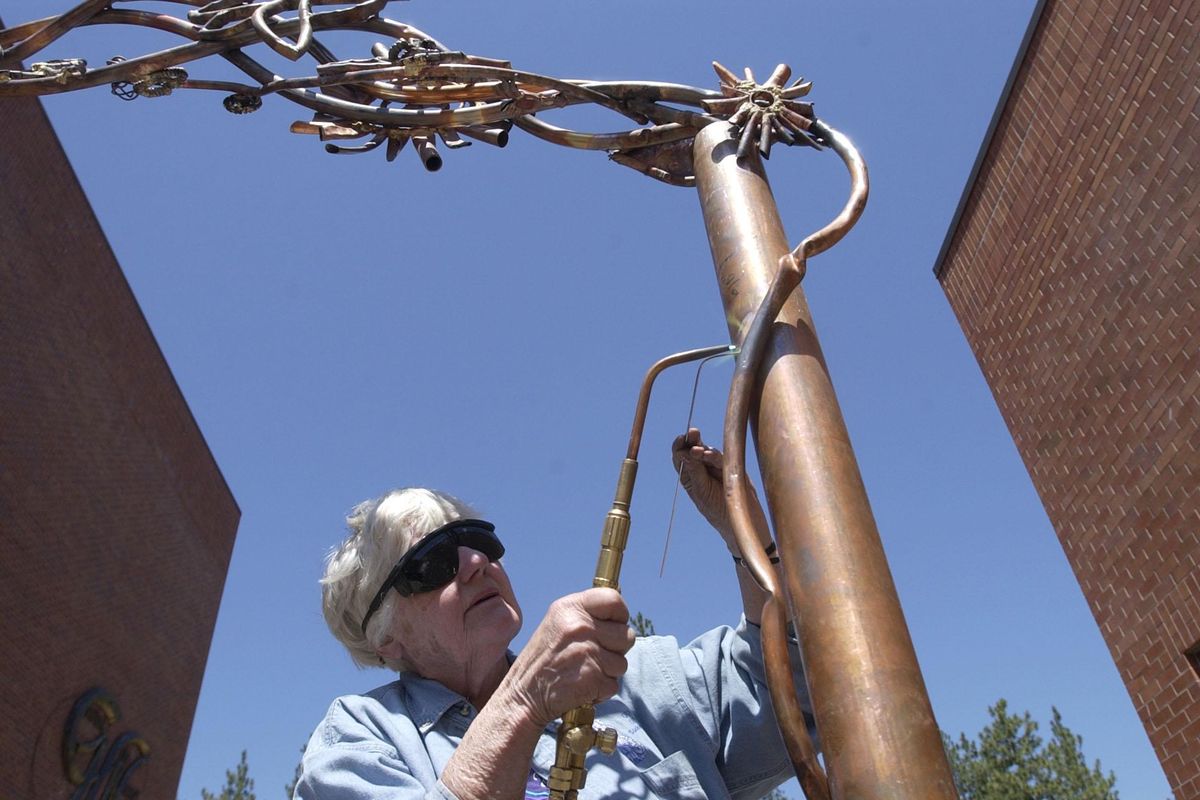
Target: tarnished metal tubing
(786, 702)
(640, 137)
(428, 153)
(54, 28)
(877, 729)
(774, 621)
(651, 91)
(278, 43)
(227, 42)
(832, 233)
(497, 136)
(643, 401)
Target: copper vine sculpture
(408, 88)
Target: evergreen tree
(1010, 761)
(238, 784)
(1070, 775)
(642, 626)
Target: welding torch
(576, 733)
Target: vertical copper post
(876, 725)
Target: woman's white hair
(380, 531)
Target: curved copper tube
(639, 137)
(652, 171)
(343, 102)
(643, 401)
(345, 89)
(451, 93)
(20, 32)
(497, 135)
(790, 272)
(54, 28)
(784, 693)
(832, 233)
(473, 77)
(788, 713)
(221, 86)
(655, 91)
(203, 44)
(278, 43)
(427, 152)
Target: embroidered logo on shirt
(632, 750)
(535, 787)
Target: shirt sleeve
(726, 677)
(346, 760)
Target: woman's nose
(471, 562)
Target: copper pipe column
(877, 729)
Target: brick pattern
(117, 526)
(1075, 274)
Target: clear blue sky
(340, 326)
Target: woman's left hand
(699, 467)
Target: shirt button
(465, 710)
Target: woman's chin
(495, 621)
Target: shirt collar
(428, 700)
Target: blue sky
(340, 325)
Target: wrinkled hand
(699, 467)
(576, 656)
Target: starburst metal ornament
(765, 112)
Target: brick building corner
(117, 526)
(1073, 266)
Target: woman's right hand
(576, 656)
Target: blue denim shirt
(692, 722)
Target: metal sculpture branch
(408, 88)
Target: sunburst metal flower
(764, 112)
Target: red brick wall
(1075, 273)
(117, 526)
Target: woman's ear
(390, 650)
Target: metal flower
(764, 112)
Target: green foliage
(238, 784)
(1010, 761)
(642, 626)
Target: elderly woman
(418, 587)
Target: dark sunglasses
(433, 562)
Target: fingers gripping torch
(576, 734)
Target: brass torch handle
(615, 533)
(576, 735)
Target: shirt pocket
(673, 777)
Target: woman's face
(460, 633)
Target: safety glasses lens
(434, 562)
(484, 541)
(433, 568)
